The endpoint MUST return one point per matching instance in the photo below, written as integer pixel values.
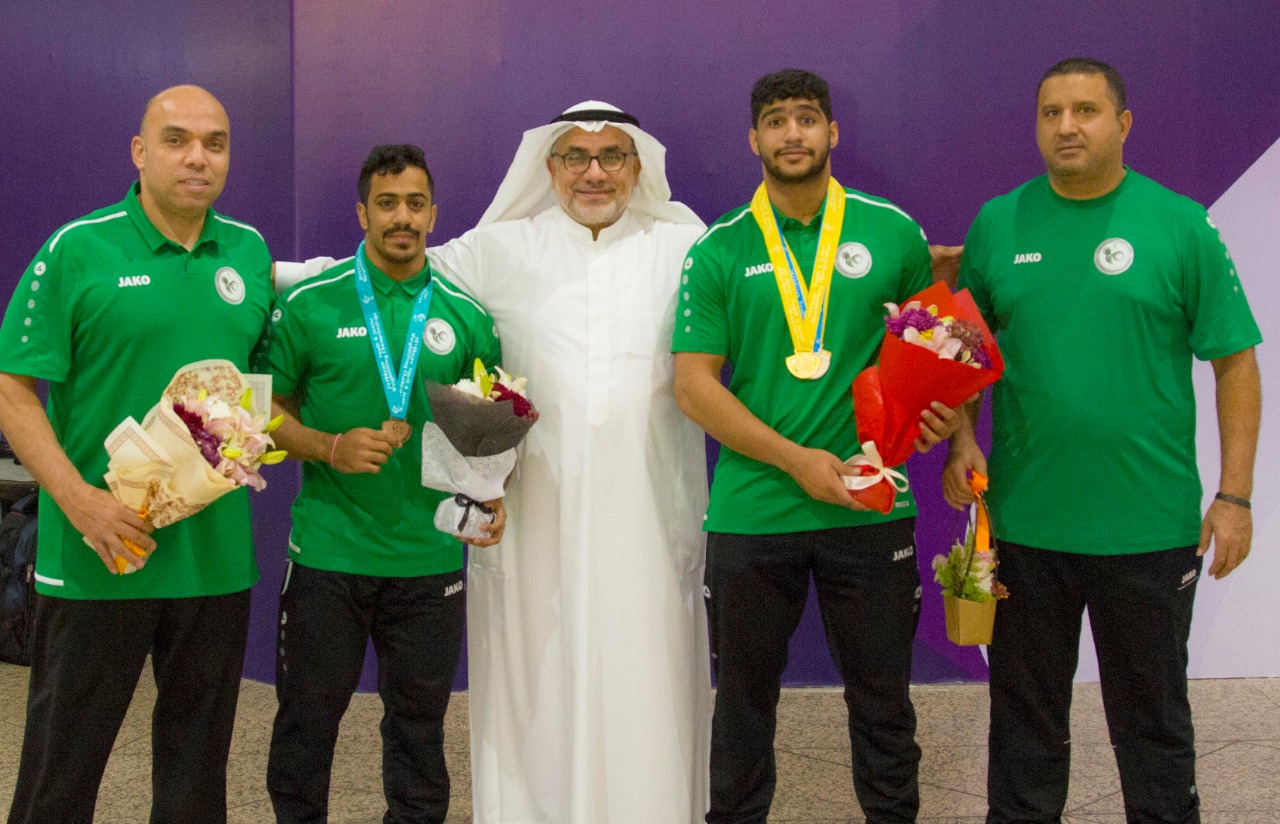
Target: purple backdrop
(935, 102)
(934, 99)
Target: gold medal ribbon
(804, 304)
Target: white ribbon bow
(871, 457)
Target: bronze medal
(400, 430)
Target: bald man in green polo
(112, 305)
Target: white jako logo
(439, 336)
(229, 284)
(1113, 256)
(853, 259)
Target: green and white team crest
(853, 260)
(439, 336)
(230, 285)
(1113, 256)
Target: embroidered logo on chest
(853, 260)
(229, 284)
(352, 332)
(1026, 257)
(439, 336)
(134, 280)
(1113, 256)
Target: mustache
(393, 229)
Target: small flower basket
(968, 622)
(968, 576)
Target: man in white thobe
(587, 640)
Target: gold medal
(809, 366)
(804, 304)
(824, 363)
(400, 430)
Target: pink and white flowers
(234, 441)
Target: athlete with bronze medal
(397, 388)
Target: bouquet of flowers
(937, 348)
(970, 588)
(469, 446)
(208, 435)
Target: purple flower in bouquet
(952, 338)
(910, 316)
(205, 440)
(519, 403)
(234, 441)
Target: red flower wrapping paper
(889, 398)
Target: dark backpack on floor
(17, 579)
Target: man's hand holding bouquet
(469, 449)
(207, 435)
(937, 350)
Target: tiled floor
(1237, 723)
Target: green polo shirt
(729, 305)
(1098, 307)
(371, 524)
(107, 312)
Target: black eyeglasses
(577, 162)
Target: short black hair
(1087, 65)
(788, 84)
(392, 159)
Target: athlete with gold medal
(779, 513)
(805, 307)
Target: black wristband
(1232, 499)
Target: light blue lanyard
(396, 390)
(795, 284)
